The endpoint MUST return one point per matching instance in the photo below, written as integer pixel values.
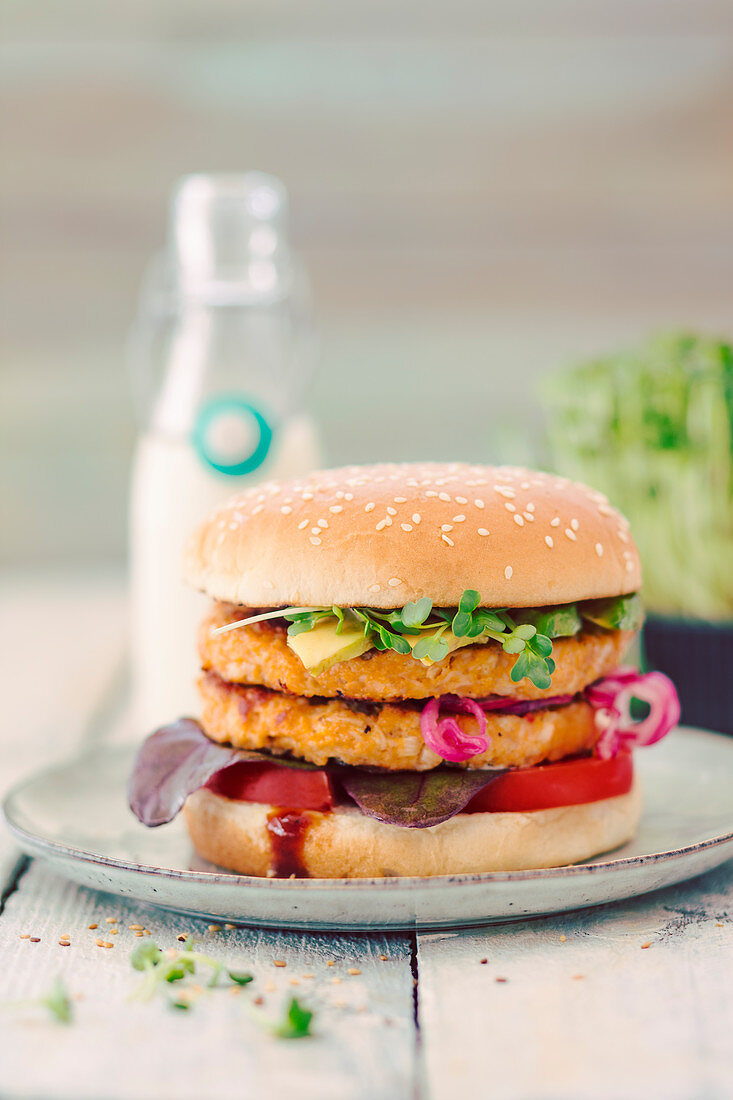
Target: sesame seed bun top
(379, 536)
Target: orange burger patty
(259, 654)
(379, 734)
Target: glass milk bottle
(221, 354)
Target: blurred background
(481, 192)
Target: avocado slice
(553, 622)
(615, 613)
(322, 647)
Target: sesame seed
(599, 549)
(444, 496)
(508, 572)
(528, 516)
(279, 962)
(530, 506)
(550, 541)
(111, 920)
(382, 524)
(330, 963)
(93, 926)
(370, 506)
(479, 503)
(384, 957)
(114, 931)
(459, 519)
(286, 509)
(394, 582)
(446, 527)
(303, 524)
(256, 511)
(315, 541)
(629, 566)
(448, 541)
(574, 524)
(483, 532)
(315, 530)
(400, 500)
(348, 496)
(99, 942)
(64, 942)
(375, 587)
(510, 507)
(555, 522)
(461, 500)
(323, 523)
(34, 939)
(24, 936)
(416, 518)
(336, 508)
(571, 534)
(605, 510)
(644, 946)
(214, 928)
(406, 526)
(431, 493)
(623, 536)
(518, 520)
(138, 934)
(391, 511)
(505, 491)
(307, 496)
(353, 970)
(524, 485)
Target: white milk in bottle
(222, 352)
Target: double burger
(410, 670)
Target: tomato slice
(542, 787)
(292, 788)
(566, 783)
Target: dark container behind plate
(698, 657)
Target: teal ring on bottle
(210, 411)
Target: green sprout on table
(295, 1023)
(165, 968)
(56, 1001)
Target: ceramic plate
(75, 816)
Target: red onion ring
(445, 737)
(611, 698)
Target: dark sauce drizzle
(287, 829)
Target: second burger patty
(379, 734)
(259, 654)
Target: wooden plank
(593, 1015)
(364, 1044)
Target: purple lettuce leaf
(415, 800)
(177, 760)
(170, 765)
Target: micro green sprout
(56, 1001)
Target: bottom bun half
(347, 844)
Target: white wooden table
(633, 1000)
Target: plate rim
(70, 853)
